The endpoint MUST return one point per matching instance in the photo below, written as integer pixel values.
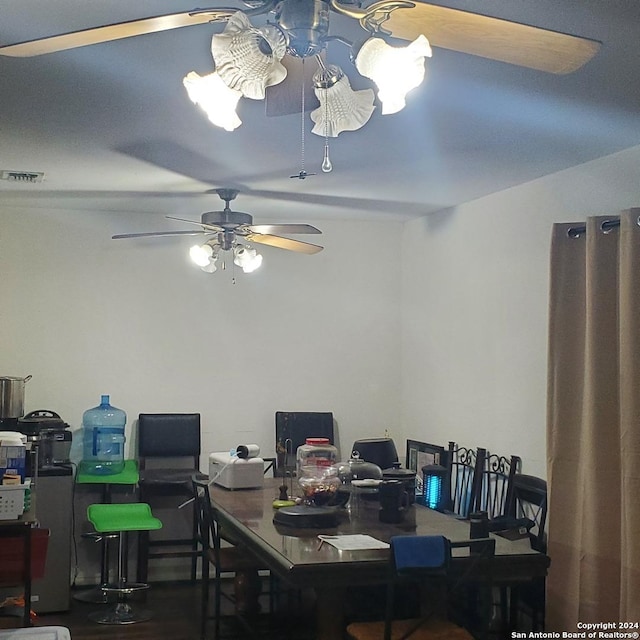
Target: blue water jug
(103, 442)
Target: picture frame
(420, 454)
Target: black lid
(399, 473)
(36, 421)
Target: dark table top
(296, 556)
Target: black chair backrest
(292, 430)
(529, 500)
(464, 467)
(496, 483)
(168, 435)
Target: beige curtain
(593, 428)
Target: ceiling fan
(224, 231)
(305, 27)
(305, 23)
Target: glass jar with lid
(319, 484)
(316, 452)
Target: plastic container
(316, 452)
(13, 455)
(15, 499)
(103, 442)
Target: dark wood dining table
(295, 555)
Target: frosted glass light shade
(395, 70)
(247, 258)
(212, 267)
(215, 98)
(341, 108)
(248, 59)
(201, 254)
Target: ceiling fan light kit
(248, 59)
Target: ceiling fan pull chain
(302, 174)
(327, 167)
(302, 169)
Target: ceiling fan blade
(493, 38)
(284, 243)
(282, 228)
(208, 227)
(152, 234)
(285, 98)
(114, 32)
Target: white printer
(232, 472)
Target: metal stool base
(122, 613)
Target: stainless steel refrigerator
(54, 509)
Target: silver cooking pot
(12, 396)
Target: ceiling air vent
(22, 176)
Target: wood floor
(176, 616)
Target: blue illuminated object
(434, 476)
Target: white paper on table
(354, 542)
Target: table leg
(247, 587)
(330, 612)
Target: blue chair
(426, 562)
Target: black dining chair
(168, 456)
(220, 553)
(528, 508)
(425, 562)
(292, 430)
(495, 494)
(496, 483)
(464, 476)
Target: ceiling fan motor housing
(306, 25)
(226, 219)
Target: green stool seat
(120, 518)
(129, 516)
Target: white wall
(451, 345)
(86, 315)
(474, 303)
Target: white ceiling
(112, 128)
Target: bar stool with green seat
(108, 519)
(129, 476)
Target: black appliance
(51, 434)
(380, 451)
